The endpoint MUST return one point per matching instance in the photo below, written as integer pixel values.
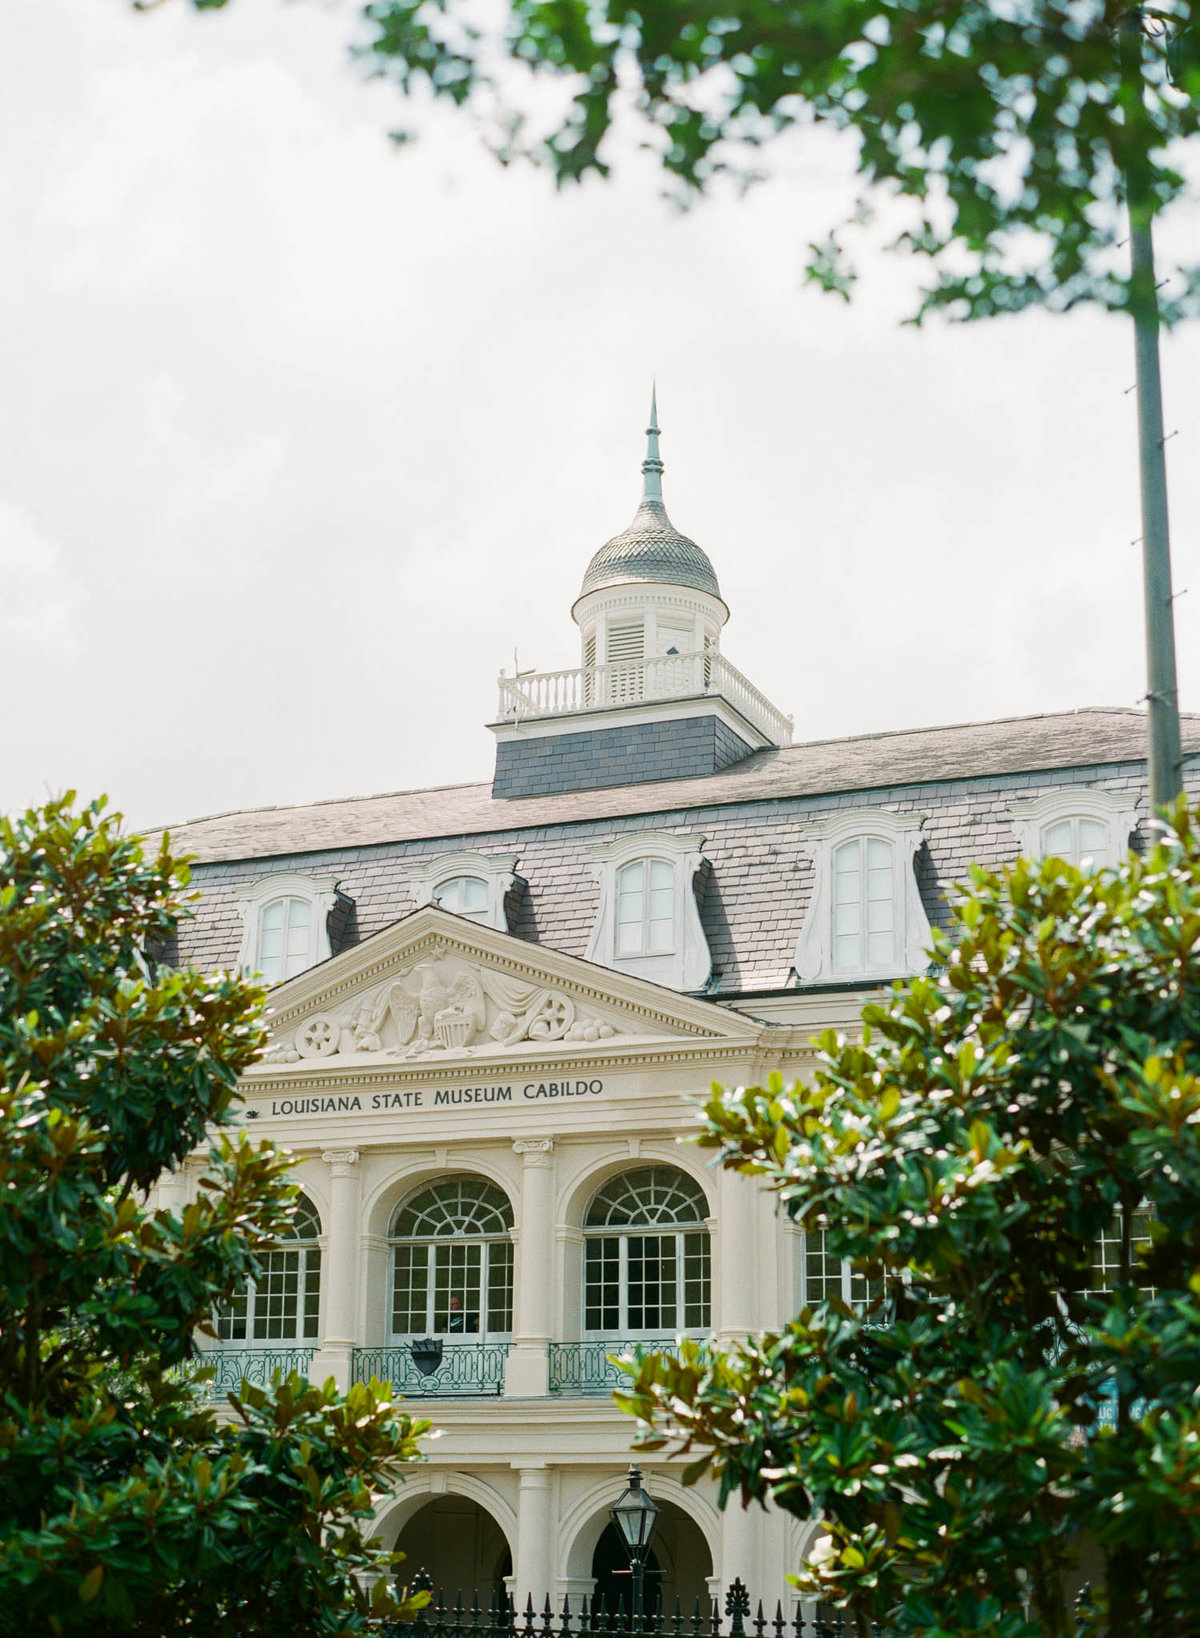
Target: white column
(737, 1257)
(339, 1269)
(533, 1566)
(738, 1316)
(526, 1372)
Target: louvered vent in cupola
(626, 640)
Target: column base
(332, 1360)
(527, 1371)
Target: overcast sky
(304, 435)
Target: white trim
(689, 964)
(814, 948)
(1117, 813)
(319, 893)
(587, 722)
(497, 870)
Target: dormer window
(285, 927)
(646, 908)
(1086, 827)
(865, 918)
(647, 921)
(465, 895)
(472, 885)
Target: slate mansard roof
(757, 885)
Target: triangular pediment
(437, 987)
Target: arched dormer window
(647, 1259)
(865, 918)
(284, 1303)
(646, 908)
(472, 885)
(1086, 827)
(285, 926)
(647, 921)
(464, 895)
(452, 1261)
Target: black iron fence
(740, 1617)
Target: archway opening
(459, 1545)
(679, 1566)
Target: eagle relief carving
(443, 1004)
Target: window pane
(697, 1263)
(846, 956)
(822, 1272)
(276, 1293)
(847, 918)
(652, 1301)
(231, 1318)
(464, 895)
(879, 915)
(880, 949)
(410, 1286)
(661, 875)
(457, 1286)
(272, 916)
(499, 1285)
(602, 1284)
(312, 1291)
(879, 854)
(1093, 841)
(299, 913)
(1057, 839)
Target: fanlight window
(284, 1303)
(1078, 840)
(825, 1276)
(284, 939)
(864, 905)
(452, 1261)
(646, 908)
(647, 1261)
(465, 896)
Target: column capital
(532, 1147)
(341, 1160)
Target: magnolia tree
(127, 1505)
(1010, 1154)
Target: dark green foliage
(991, 1408)
(1007, 124)
(126, 1506)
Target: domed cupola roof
(651, 549)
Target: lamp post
(636, 1518)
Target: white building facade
(497, 1009)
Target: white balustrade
(666, 677)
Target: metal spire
(652, 466)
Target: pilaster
(340, 1270)
(526, 1373)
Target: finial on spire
(652, 466)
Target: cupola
(649, 592)
(653, 698)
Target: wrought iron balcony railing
(586, 1367)
(256, 1365)
(466, 1368)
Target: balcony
(637, 682)
(467, 1368)
(257, 1365)
(586, 1368)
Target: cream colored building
(497, 1009)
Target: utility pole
(1162, 694)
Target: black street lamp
(636, 1518)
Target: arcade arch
(683, 1553)
(461, 1534)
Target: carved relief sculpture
(443, 1004)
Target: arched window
(452, 1261)
(864, 905)
(284, 1302)
(284, 939)
(646, 1255)
(823, 1276)
(1078, 840)
(465, 895)
(646, 908)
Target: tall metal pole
(636, 1570)
(1162, 696)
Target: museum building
(496, 1007)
